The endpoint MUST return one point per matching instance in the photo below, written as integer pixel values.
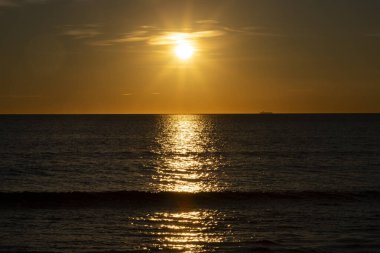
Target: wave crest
(138, 198)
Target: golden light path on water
(186, 231)
(188, 155)
(188, 162)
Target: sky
(118, 56)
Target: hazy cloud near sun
(82, 31)
(156, 36)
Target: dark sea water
(190, 183)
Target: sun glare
(184, 50)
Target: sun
(184, 50)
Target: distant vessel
(266, 112)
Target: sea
(190, 183)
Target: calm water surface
(190, 183)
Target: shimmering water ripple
(181, 163)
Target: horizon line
(255, 113)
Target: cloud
(82, 31)
(207, 22)
(135, 36)
(156, 36)
(169, 38)
(253, 31)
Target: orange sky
(108, 56)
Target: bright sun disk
(184, 50)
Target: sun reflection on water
(189, 231)
(188, 160)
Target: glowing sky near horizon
(191, 56)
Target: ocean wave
(133, 198)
